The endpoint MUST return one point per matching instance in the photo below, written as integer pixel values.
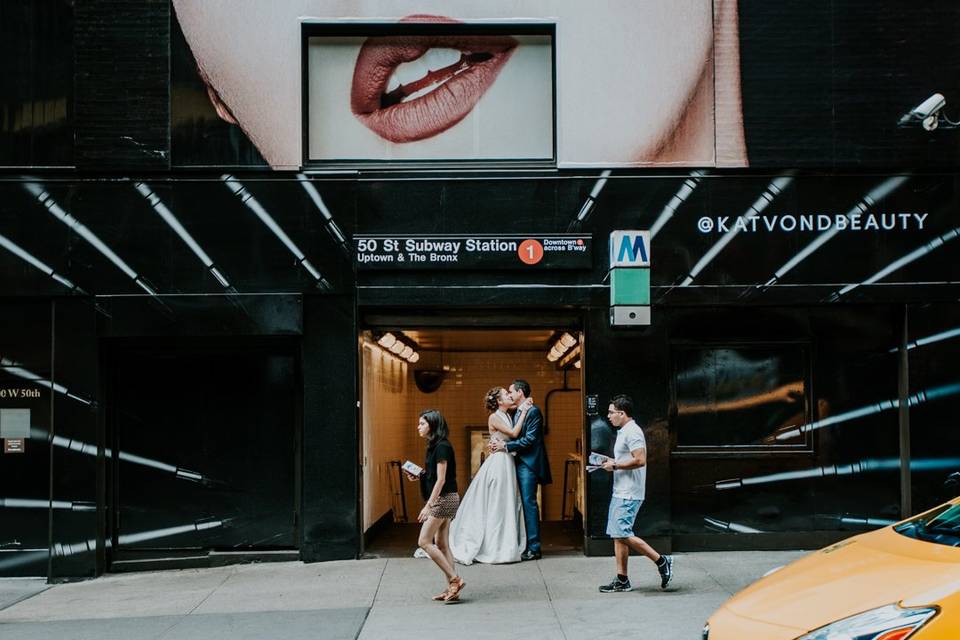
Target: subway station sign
(630, 278)
(520, 252)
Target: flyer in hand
(412, 469)
(596, 460)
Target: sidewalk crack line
(25, 597)
(373, 601)
(550, 600)
(230, 574)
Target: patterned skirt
(446, 506)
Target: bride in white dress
(489, 524)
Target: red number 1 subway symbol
(530, 252)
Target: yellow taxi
(895, 583)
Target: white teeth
(434, 59)
(411, 71)
(439, 58)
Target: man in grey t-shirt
(629, 468)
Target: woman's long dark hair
(438, 426)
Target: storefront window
(741, 396)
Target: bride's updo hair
(492, 400)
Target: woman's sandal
(456, 586)
(441, 596)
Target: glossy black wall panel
(36, 83)
(211, 429)
(76, 412)
(934, 348)
(776, 259)
(25, 349)
(824, 84)
(730, 395)
(846, 475)
(845, 467)
(123, 84)
(331, 454)
(204, 315)
(109, 238)
(633, 362)
(268, 235)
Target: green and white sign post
(630, 278)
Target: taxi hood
(855, 575)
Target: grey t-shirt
(629, 483)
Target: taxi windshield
(940, 526)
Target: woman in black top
(438, 485)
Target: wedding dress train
(489, 524)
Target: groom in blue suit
(533, 467)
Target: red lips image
(436, 101)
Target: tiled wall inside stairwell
(392, 404)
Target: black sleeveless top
(441, 450)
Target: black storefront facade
(158, 403)
(188, 339)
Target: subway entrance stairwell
(451, 369)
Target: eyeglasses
(610, 413)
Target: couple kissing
(499, 520)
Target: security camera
(926, 113)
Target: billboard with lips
(439, 94)
(689, 83)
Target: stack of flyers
(596, 460)
(412, 469)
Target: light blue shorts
(621, 516)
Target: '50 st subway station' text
(473, 251)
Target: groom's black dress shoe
(530, 555)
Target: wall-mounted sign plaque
(13, 445)
(520, 252)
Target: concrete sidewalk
(556, 597)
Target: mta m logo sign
(629, 249)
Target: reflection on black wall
(739, 396)
(331, 435)
(36, 83)
(25, 343)
(260, 234)
(631, 362)
(847, 471)
(212, 431)
(934, 347)
(842, 476)
(154, 238)
(76, 413)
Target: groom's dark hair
(522, 385)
